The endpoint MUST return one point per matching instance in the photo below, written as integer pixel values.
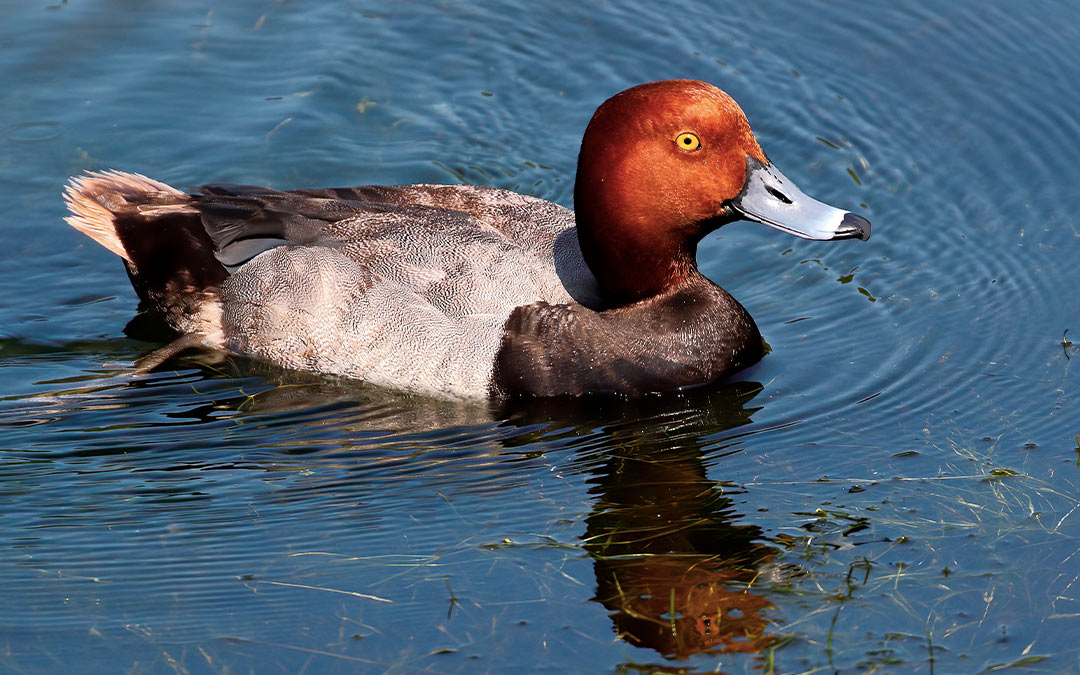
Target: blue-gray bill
(770, 198)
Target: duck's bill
(768, 197)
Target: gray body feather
(412, 297)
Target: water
(893, 489)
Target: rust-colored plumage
(642, 202)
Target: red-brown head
(663, 164)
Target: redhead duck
(472, 291)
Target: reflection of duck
(671, 563)
(677, 572)
(473, 291)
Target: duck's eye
(688, 141)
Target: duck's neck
(634, 260)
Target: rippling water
(894, 488)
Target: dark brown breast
(692, 335)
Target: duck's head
(663, 164)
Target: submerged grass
(877, 574)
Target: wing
(244, 221)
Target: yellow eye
(688, 141)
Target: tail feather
(159, 233)
(95, 197)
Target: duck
(468, 291)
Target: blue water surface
(893, 489)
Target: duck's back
(406, 286)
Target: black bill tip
(853, 227)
